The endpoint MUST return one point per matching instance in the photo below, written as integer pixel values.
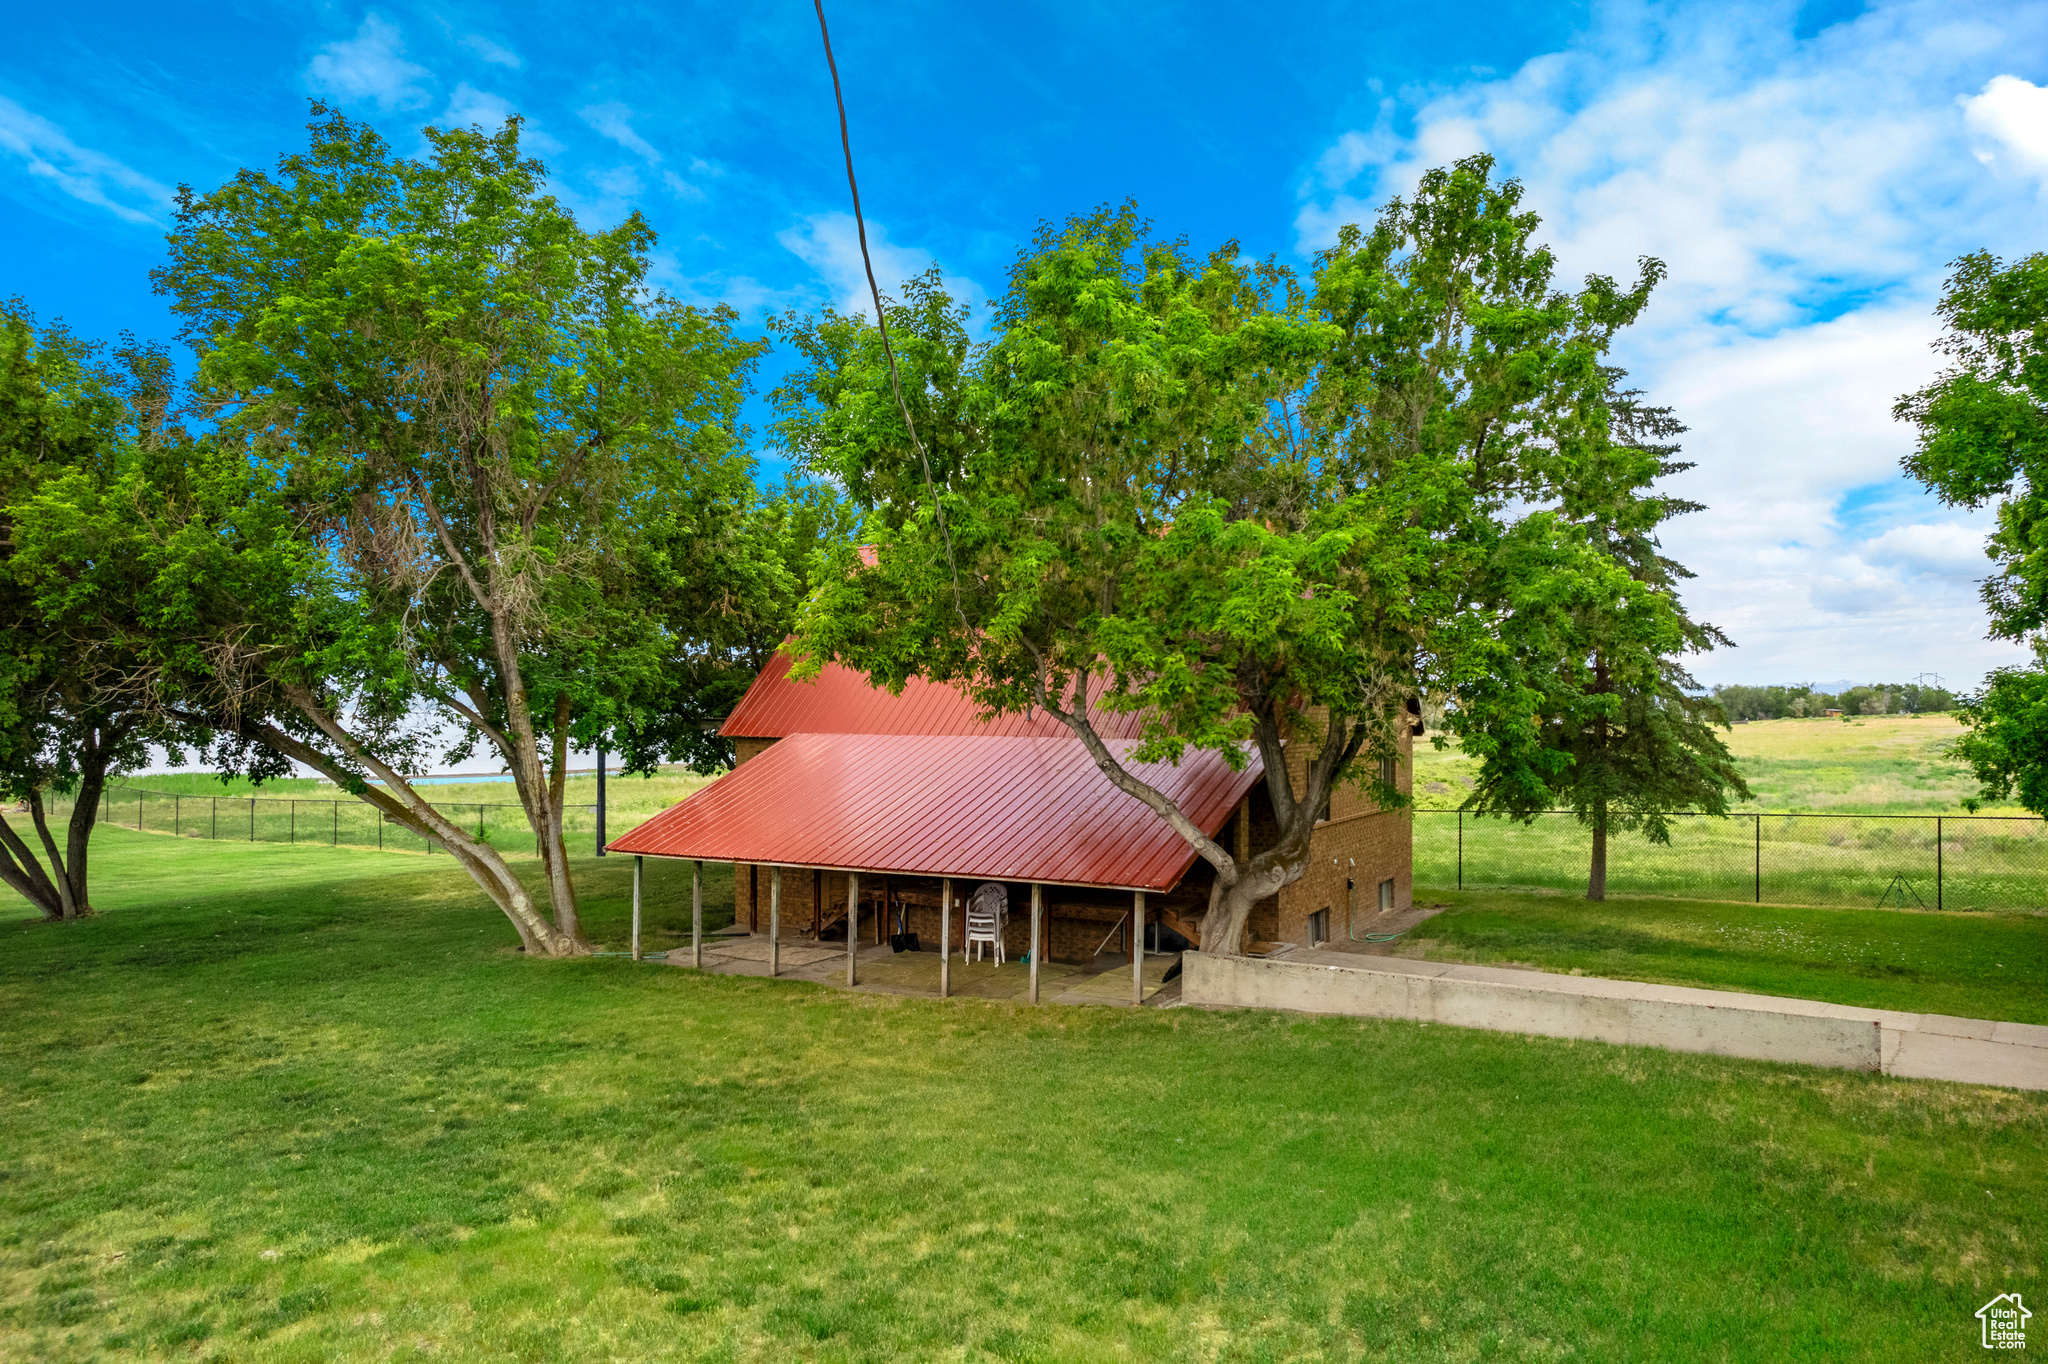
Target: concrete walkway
(1632, 1013)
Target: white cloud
(1942, 550)
(830, 244)
(615, 121)
(471, 107)
(370, 66)
(2013, 113)
(1807, 196)
(48, 155)
(496, 53)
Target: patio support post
(697, 913)
(775, 921)
(945, 938)
(1037, 910)
(1137, 949)
(852, 926)
(637, 860)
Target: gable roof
(842, 701)
(974, 806)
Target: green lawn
(1973, 965)
(300, 1104)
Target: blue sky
(1806, 171)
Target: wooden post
(775, 921)
(637, 862)
(852, 926)
(1037, 909)
(945, 938)
(697, 914)
(1138, 949)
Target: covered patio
(872, 843)
(1106, 980)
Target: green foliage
(2006, 744)
(1983, 439)
(1617, 734)
(1254, 508)
(464, 469)
(69, 711)
(1803, 702)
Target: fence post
(334, 839)
(215, 833)
(292, 831)
(177, 816)
(252, 819)
(1937, 863)
(138, 811)
(1461, 850)
(1759, 858)
(380, 829)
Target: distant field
(1879, 764)
(1866, 796)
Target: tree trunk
(1230, 907)
(407, 807)
(67, 902)
(1596, 878)
(23, 873)
(78, 834)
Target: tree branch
(447, 538)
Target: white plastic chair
(987, 908)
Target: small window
(1386, 896)
(1319, 927)
(1387, 770)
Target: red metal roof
(970, 806)
(841, 701)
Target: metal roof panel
(966, 805)
(842, 701)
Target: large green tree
(70, 710)
(1623, 736)
(1983, 441)
(1264, 511)
(463, 469)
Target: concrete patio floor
(1106, 980)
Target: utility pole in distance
(600, 802)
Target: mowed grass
(1873, 764)
(1971, 965)
(300, 1104)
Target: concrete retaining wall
(1721, 1022)
(1717, 1022)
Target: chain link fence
(1859, 861)
(341, 823)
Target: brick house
(855, 795)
